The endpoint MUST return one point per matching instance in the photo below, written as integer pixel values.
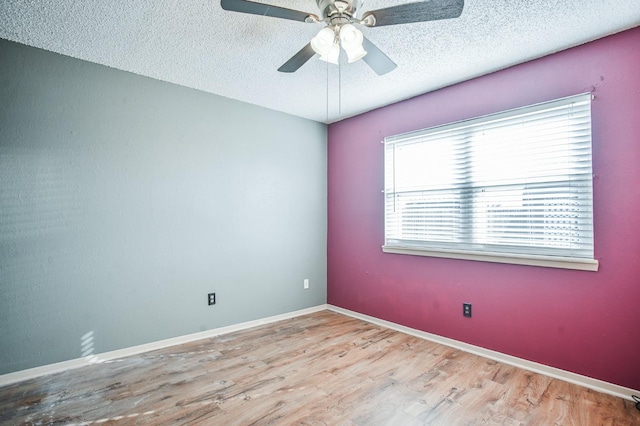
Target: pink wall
(585, 322)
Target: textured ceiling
(196, 44)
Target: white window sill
(517, 259)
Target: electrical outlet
(466, 309)
(211, 297)
(306, 283)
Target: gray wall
(125, 200)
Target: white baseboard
(31, 373)
(556, 373)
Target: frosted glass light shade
(355, 54)
(351, 39)
(322, 43)
(332, 55)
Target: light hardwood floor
(319, 369)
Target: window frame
(487, 255)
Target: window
(511, 187)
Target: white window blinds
(515, 182)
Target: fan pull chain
(339, 89)
(327, 91)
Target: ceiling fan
(340, 31)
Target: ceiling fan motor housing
(333, 9)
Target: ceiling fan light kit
(327, 43)
(340, 17)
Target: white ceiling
(196, 44)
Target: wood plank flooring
(319, 369)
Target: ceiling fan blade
(376, 59)
(431, 10)
(264, 10)
(298, 60)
